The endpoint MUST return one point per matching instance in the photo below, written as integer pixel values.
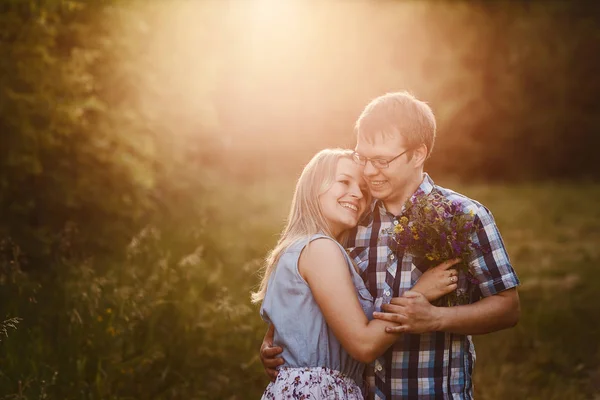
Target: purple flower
(455, 207)
(456, 247)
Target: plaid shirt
(435, 365)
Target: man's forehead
(379, 145)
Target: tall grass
(173, 319)
(552, 232)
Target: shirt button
(395, 222)
(387, 293)
(378, 368)
(391, 256)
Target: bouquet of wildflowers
(434, 229)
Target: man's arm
(268, 354)
(498, 309)
(417, 315)
(490, 314)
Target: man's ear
(420, 155)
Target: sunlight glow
(268, 73)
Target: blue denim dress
(316, 364)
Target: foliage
(105, 256)
(6, 324)
(133, 219)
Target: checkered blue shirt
(435, 365)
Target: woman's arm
(325, 269)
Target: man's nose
(370, 170)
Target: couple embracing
(351, 312)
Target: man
(435, 356)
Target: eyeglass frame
(383, 163)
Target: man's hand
(416, 315)
(413, 312)
(268, 354)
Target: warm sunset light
(276, 71)
(268, 75)
(190, 189)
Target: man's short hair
(398, 112)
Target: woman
(312, 293)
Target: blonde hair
(306, 216)
(401, 111)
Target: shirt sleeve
(490, 264)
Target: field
(167, 325)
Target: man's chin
(379, 193)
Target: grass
(552, 232)
(172, 322)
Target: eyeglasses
(378, 163)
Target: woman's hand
(438, 281)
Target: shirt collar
(424, 189)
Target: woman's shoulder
(322, 249)
(319, 240)
(322, 244)
(315, 245)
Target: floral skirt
(315, 383)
